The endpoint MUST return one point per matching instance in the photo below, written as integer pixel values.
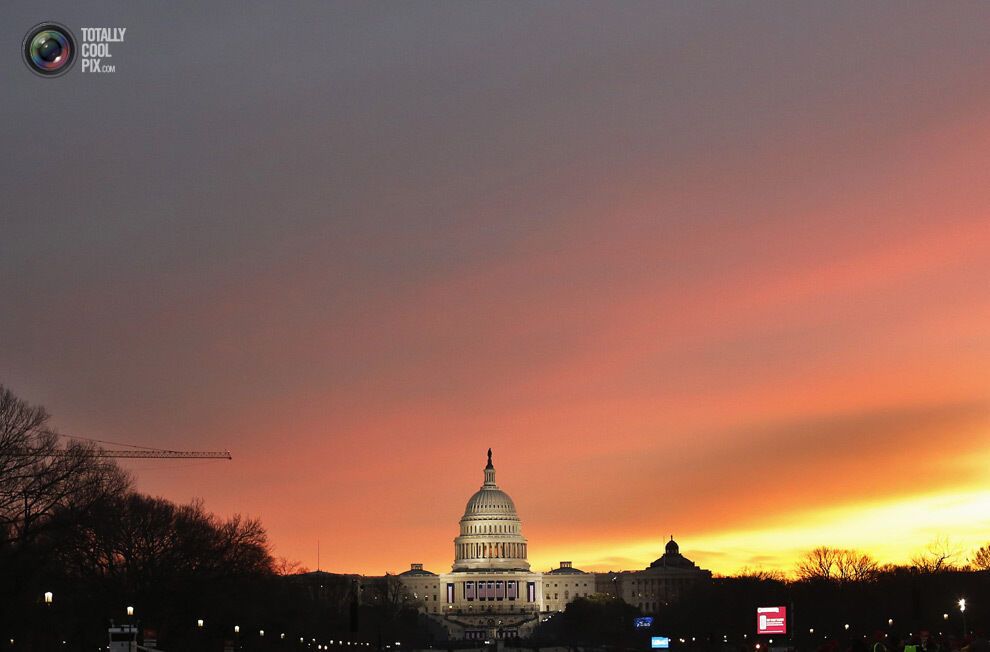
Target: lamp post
(962, 610)
(48, 638)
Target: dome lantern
(490, 472)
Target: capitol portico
(491, 592)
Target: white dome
(490, 502)
(491, 533)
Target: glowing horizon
(716, 271)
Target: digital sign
(771, 620)
(644, 622)
(659, 642)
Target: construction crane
(146, 453)
(139, 452)
(161, 453)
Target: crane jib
(134, 454)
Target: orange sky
(721, 275)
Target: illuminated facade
(491, 592)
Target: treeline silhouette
(72, 525)
(838, 599)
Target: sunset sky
(714, 270)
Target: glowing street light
(962, 610)
(811, 631)
(49, 597)
(237, 629)
(199, 623)
(130, 611)
(890, 622)
(846, 626)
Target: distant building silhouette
(662, 582)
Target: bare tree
(838, 564)
(38, 476)
(981, 558)
(286, 566)
(939, 556)
(761, 574)
(21, 426)
(818, 564)
(855, 566)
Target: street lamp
(49, 597)
(890, 622)
(962, 610)
(237, 629)
(945, 616)
(130, 611)
(846, 626)
(199, 623)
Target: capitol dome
(490, 502)
(490, 530)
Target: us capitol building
(491, 592)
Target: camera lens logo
(49, 49)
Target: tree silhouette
(938, 557)
(981, 558)
(837, 564)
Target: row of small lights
(890, 623)
(49, 598)
(320, 646)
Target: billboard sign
(643, 623)
(660, 642)
(771, 620)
